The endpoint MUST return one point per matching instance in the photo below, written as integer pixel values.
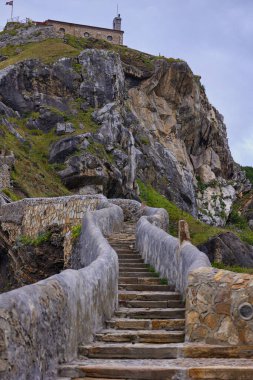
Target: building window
(109, 38)
(86, 34)
(62, 30)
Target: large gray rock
(228, 249)
(19, 34)
(30, 85)
(103, 77)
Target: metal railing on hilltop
(19, 20)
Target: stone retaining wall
(29, 217)
(219, 307)
(43, 324)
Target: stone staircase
(145, 338)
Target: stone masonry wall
(36, 321)
(219, 307)
(29, 217)
(6, 164)
(88, 31)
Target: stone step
(146, 324)
(140, 280)
(148, 296)
(164, 351)
(150, 313)
(131, 261)
(137, 274)
(140, 336)
(142, 287)
(208, 369)
(128, 351)
(128, 256)
(152, 304)
(133, 265)
(133, 269)
(124, 248)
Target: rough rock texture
(6, 165)
(37, 321)
(39, 260)
(153, 123)
(23, 222)
(227, 248)
(26, 33)
(219, 307)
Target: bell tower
(117, 22)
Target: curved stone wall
(42, 324)
(164, 252)
(219, 304)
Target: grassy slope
(200, 232)
(33, 176)
(47, 51)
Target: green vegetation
(33, 176)
(76, 231)
(153, 271)
(163, 281)
(11, 195)
(129, 56)
(249, 172)
(99, 151)
(39, 240)
(200, 232)
(48, 51)
(233, 268)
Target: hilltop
(84, 116)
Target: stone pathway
(145, 338)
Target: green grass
(48, 51)
(236, 269)
(33, 176)
(249, 172)
(37, 241)
(199, 231)
(76, 231)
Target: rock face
(155, 125)
(228, 249)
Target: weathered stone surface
(6, 164)
(103, 77)
(24, 34)
(179, 260)
(36, 321)
(63, 128)
(227, 248)
(213, 302)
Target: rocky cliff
(85, 117)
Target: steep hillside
(84, 116)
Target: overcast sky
(214, 36)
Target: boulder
(228, 249)
(64, 128)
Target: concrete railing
(219, 306)
(172, 259)
(43, 324)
